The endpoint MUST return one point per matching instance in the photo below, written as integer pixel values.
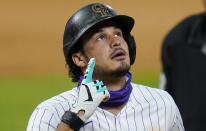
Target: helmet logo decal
(100, 9)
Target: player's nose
(114, 42)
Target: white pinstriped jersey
(148, 109)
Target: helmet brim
(125, 22)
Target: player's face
(108, 47)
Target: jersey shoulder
(47, 115)
(63, 98)
(58, 104)
(150, 91)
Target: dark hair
(74, 71)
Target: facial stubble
(119, 72)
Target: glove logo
(89, 93)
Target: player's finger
(89, 71)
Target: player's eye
(118, 34)
(101, 37)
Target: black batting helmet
(90, 15)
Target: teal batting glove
(91, 93)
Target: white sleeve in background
(203, 49)
(162, 81)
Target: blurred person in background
(184, 69)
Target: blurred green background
(32, 66)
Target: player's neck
(114, 83)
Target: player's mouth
(118, 54)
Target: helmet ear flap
(132, 47)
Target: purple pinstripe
(58, 100)
(41, 119)
(134, 118)
(98, 121)
(165, 109)
(50, 122)
(127, 121)
(115, 120)
(141, 110)
(64, 98)
(179, 122)
(92, 126)
(68, 104)
(57, 112)
(106, 119)
(119, 122)
(149, 108)
(35, 118)
(177, 126)
(62, 106)
(86, 123)
(157, 107)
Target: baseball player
(99, 50)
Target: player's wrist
(73, 120)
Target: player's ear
(79, 59)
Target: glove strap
(72, 120)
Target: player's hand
(91, 94)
